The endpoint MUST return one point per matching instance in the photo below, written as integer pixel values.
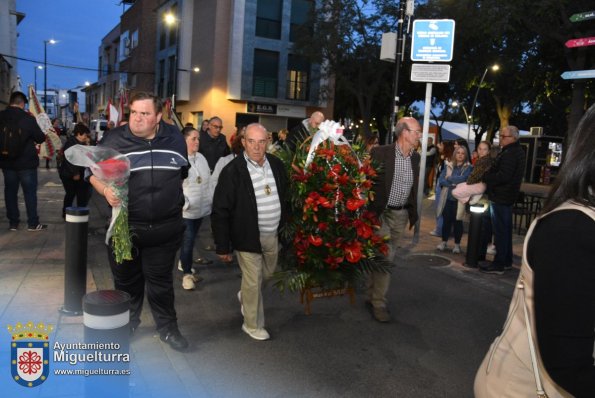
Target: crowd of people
(178, 179)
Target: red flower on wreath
(354, 203)
(353, 251)
(315, 240)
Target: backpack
(12, 138)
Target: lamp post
(456, 104)
(35, 74)
(45, 72)
(494, 68)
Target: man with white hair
(248, 211)
(503, 182)
(305, 129)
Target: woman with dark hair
(558, 277)
(445, 151)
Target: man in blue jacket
(248, 210)
(503, 182)
(158, 164)
(22, 168)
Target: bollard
(106, 316)
(474, 234)
(75, 272)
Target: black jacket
(157, 168)
(213, 148)
(66, 169)
(385, 156)
(506, 175)
(234, 218)
(297, 135)
(28, 125)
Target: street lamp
(456, 104)
(45, 72)
(494, 68)
(35, 74)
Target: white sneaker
(240, 300)
(182, 269)
(188, 282)
(434, 233)
(256, 334)
(441, 246)
(491, 250)
(456, 249)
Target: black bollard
(474, 234)
(75, 272)
(106, 316)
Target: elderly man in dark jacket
(249, 207)
(396, 192)
(503, 182)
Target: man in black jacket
(158, 163)
(503, 182)
(22, 170)
(248, 210)
(303, 130)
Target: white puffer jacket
(198, 198)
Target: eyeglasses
(215, 126)
(414, 131)
(505, 136)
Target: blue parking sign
(432, 40)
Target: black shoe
(174, 338)
(469, 265)
(14, 227)
(38, 227)
(492, 269)
(507, 267)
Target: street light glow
(169, 19)
(196, 69)
(87, 83)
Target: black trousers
(151, 268)
(81, 190)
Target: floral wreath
(332, 238)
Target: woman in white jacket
(198, 200)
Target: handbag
(513, 366)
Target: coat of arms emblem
(29, 353)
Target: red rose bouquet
(333, 236)
(113, 169)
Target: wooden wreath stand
(310, 294)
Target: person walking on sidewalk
(158, 164)
(395, 203)
(503, 182)
(248, 210)
(19, 161)
(197, 204)
(456, 172)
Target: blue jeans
(502, 228)
(28, 181)
(186, 251)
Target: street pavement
(445, 316)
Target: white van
(98, 127)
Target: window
(268, 18)
(298, 71)
(300, 10)
(161, 81)
(162, 33)
(171, 75)
(134, 39)
(100, 66)
(266, 71)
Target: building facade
(248, 71)
(9, 19)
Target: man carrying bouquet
(158, 164)
(248, 210)
(395, 203)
